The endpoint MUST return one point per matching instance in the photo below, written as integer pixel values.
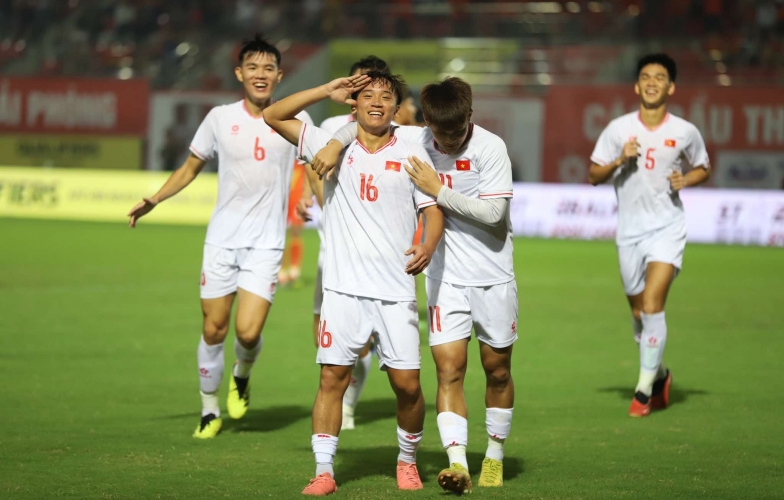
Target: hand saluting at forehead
(340, 90)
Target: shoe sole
(456, 482)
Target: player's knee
(449, 374)
(498, 376)
(334, 378)
(652, 306)
(408, 390)
(248, 337)
(215, 331)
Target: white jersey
(370, 216)
(646, 202)
(254, 175)
(332, 125)
(471, 253)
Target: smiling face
(376, 106)
(259, 75)
(654, 86)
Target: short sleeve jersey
(646, 202)
(255, 166)
(332, 124)
(471, 253)
(370, 216)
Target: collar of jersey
(465, 142)
(250, 115)
(654, 129)
(392, 140)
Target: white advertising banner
(743, 217)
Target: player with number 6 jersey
(646, 153)
(246, 234)
(470, 282)
(370, 215)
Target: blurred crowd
(190, 43)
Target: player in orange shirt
(291, 269)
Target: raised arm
(281, 116)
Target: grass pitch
(98, 333)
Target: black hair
(395, 82)
(369, 63)
(258, 45)
(661, 59)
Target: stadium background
(99, 100)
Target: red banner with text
(743, 128)
(74, 106)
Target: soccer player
(370, 209)
(245, 237)
(291, 268)
(470, 282)
(362, 367)
(645, 153)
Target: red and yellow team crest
(393, 165)
(463, 165)
(669, 143)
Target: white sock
(358, 378)
(408, 443)
(454, 436)
(499, 423)
(324, 449)
(245, 358)
(210, 367)
(654, 338)
(637, 328)
(209, 404)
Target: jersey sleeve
(205, 142)
(311, 140)
(410, 134)
(695, 151)
(495, 171)
(421, 200)
(607, 147)
(306, 120)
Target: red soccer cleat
(323, 485)
(660, 399)
(641, 406)
(408, 477)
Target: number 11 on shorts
(435, 318)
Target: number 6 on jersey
(372, 191)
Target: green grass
(98, 333)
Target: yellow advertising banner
(100, 195)
(71, 151)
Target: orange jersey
(298, 179)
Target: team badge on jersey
(393, 165)
(669, 143)
(463, 165)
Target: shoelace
(493, 471)
(411, 474)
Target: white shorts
(348, 321)
(454, 309)
(223, 270)
(318, 293)
(666, 245)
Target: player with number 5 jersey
(646, 153)
(246, 235)
(370, 216)
(470, 282)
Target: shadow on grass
(373, 410)
(358, 463)
(267, 419)
(678, 394)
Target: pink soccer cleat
(323, 485)
(408, 477)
